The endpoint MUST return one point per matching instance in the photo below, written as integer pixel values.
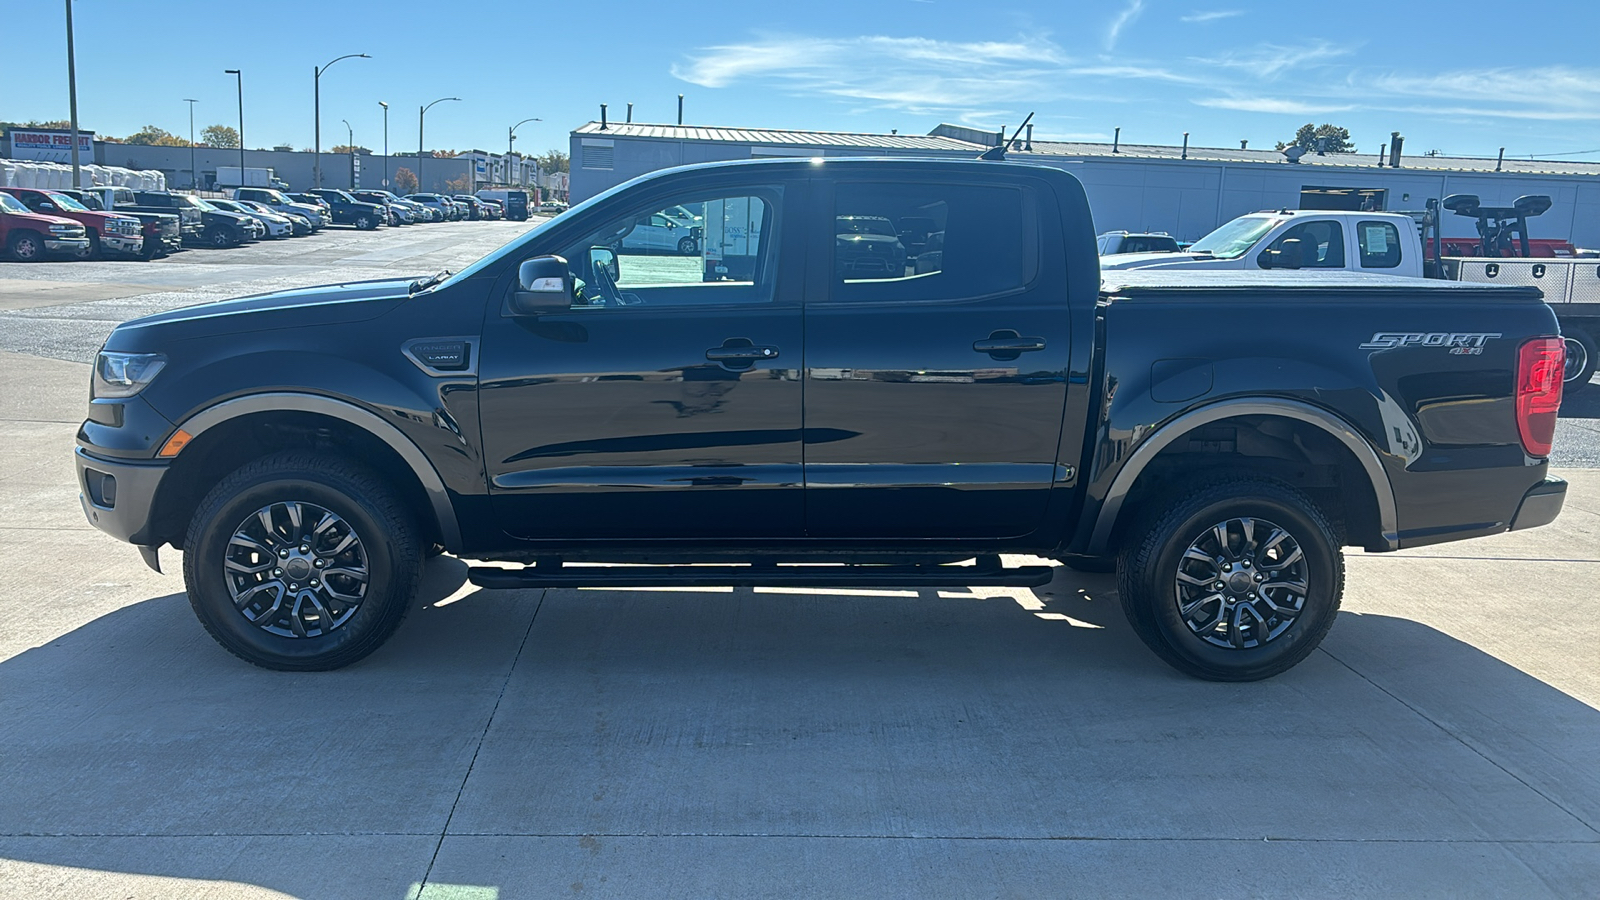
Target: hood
(1162, 260)
(44, 219)
(330, 304)
(239, 218)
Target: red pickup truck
(30, 237)
(107, 232)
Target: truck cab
(1372, 242)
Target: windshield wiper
(423, 284)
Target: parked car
(655, 233)
(31, 237)
(491, 207)
(553, 206)
(437, 202)
(867, 247)
(277, 226)
(307, 448)
(299, 221)
(217, 228)
(472, 209)
(315, 202)
(163, 232)
(397, 214)
(514, 203)
(277, 201)
(347, 210)
(108, 233)
(1137, 242)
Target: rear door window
(1379, 243)
(930, 241)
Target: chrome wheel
(296, 569)
(1241, 583)
(1577, 359)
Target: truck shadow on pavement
(135, 745)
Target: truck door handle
(1007, 344)
(740, 353)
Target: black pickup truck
(777, 414)
(202, 222)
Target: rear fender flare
(1111, 508)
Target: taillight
(1541, 364)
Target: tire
(1095, 565)
(1152, 588)
(363, 223)
(687, 246)
(26, 246)
(1580, 345)
(94, 246)
(220, 239)
(366, 507)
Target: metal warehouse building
(1138, 187)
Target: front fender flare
(1388, 523)
(432, 484)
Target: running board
(555, 576)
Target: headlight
(124, 374)
(63, 229)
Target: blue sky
(1221, 70)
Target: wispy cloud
(1211, 16)
(1123, 20)
(1271, 60)
(1547, 93)
(1277, 105)
(918, 75)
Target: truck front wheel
(1238, 581)
(26, 246)
(300, 563)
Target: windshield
(206, 204)
(276, 197)
(1234, 238)
(65, 202)
(11, 204)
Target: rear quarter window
(1380, 245)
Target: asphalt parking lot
(769, 743)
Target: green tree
(1306, 138)
(446, 154)
(156, 137)
(225, 136)
(348, 148)
(405, 181)
(553, 161)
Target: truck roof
(1132, 283)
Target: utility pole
(421, 114)
(194, 171)
(240, 75)
(316, 92)
(385, 144)
(72, 101)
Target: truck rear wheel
(1582, 356)
(1238, 581)
(297, 562)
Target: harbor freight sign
(52, 146)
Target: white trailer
(731, 237)
(228, 178)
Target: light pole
(316, 92)
(194, 171)
(511, 138)
(72, 100)
(351, 146)
(420, 117)
(240, 75)
(385, 144)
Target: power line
(1568, 153)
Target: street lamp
(194, 171)
(352, 148)
(240, 75)
(420, 116)
(316, 91)
(385, 144)
(511, 138)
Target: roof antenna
(999, 151)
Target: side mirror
(1287, 256)
(544, 284)
(605, 257)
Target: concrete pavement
(781, 744)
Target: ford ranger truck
(775, 412)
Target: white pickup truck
(1381, 243)
(1389, 244)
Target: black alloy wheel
(1238, 581)
(302, 562)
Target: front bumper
(67, 245)
(122, 243)
(1541, 504)
(118, 496)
